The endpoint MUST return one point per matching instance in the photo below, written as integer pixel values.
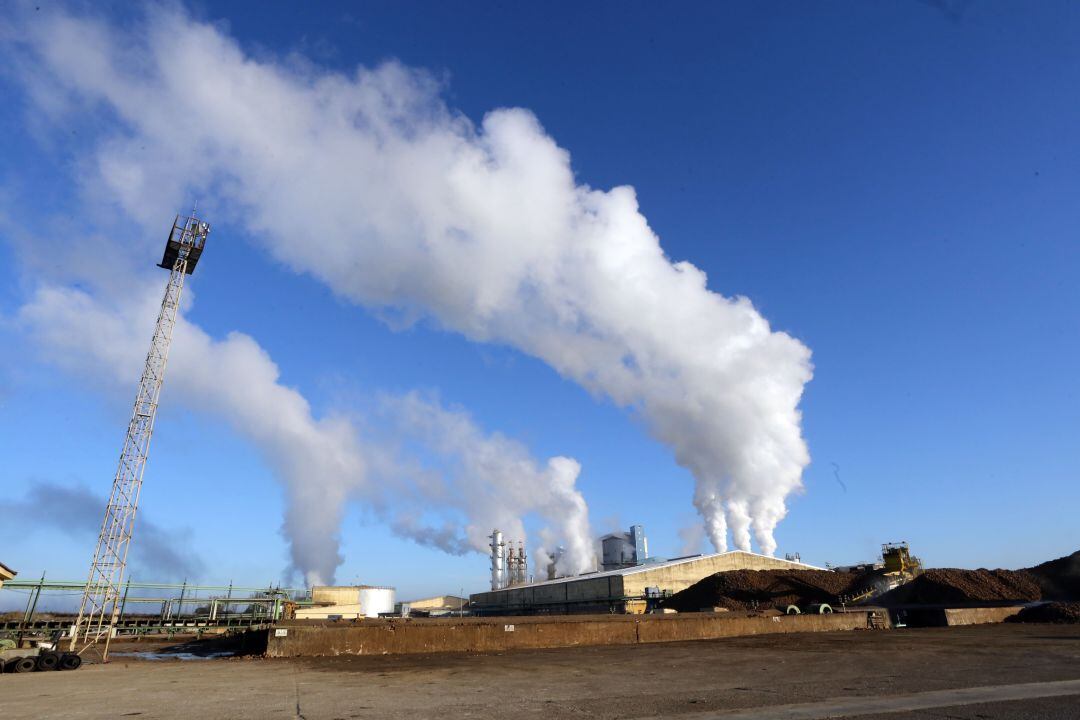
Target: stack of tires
(42, 661)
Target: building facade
(624, 549)
(622, 590)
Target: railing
(151, 607)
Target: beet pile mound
(761, 589)
(1055, 612)
(1059, 579)
(944, 586)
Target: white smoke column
(319, 461)
(493, 480)
(541, 560)
(489, 479)
(370, 183)
(692, 537)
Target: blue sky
(893, 184)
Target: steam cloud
(495, 480)
(481, 480)
(370, 183)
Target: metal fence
(147, 608)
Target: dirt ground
(992, 671)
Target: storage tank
(375, 600)
(498, 560)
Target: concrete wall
(939, 616)
(386, 637)
(980, 616)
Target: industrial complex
(627, 597)
(628, 588)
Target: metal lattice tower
(99, 609)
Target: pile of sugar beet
(1056, 580)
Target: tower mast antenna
(99, 610)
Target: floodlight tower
(100, 609)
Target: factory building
(621, 590)
(437, 606)
(624, 549)
(6, 574)
(347, 602)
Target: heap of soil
(1059, 579)
(1055, 612)
(944, 586)
(763, 589)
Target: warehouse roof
(648, 566)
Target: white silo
(498, 561)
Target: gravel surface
(662, 680)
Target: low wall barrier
(392, 637)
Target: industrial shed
(433, 606)
(6, 574)
(621, 590)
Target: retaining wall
(390, 637)
(980, 616)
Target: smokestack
(498, 561)
(523, 563)
(511, 564)
(516, 569)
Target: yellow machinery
(898, 568)
(898, 560)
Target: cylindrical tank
(498, 561)
(375, 600)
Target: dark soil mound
(1059, 579)
(1055, 612)
(761, 589)
(945, 586)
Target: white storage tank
(375, 600)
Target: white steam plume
(369, 182)
(319, 460)
(492, 478)
(480, 480)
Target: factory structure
(629, 581)
(624, 549)
(347, 602)
(508, 566)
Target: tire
(70, 661)
(48, 661)
(23, 664)
(792, 610)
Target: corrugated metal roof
(646, 567)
